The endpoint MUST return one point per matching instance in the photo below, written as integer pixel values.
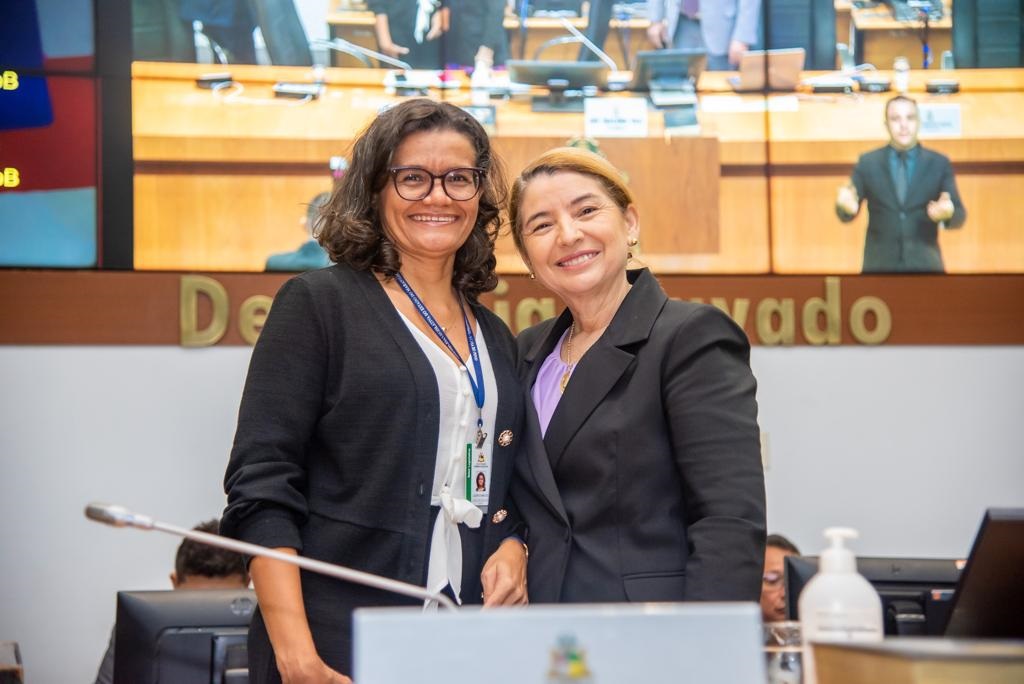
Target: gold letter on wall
(815, 306)
(188, 307)
(767, 309)
(252, 315)
(858, 320)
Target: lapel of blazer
(426, 422)
(605, 362)
(536, 460)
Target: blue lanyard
(478, 384)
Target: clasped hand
(504, 576)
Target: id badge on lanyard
(478, 476)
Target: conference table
(223, 178)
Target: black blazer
(901, 237)
(336, 442)
(648, 485)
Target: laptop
(989, 598)
(653, 643)
(769, 70)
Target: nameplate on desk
(615, 117)
(940, 120)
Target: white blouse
(459, 462)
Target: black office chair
(282, 31)
(158, 34)
(989, 34)
(807, 24)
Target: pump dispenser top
(838, 604)
(837, 557)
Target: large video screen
(779, 151)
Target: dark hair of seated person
(197, 560)
(780, 542)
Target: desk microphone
(601, 54)
(358, 51)
(119, 516)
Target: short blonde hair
(572, 159)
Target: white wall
(907, 444)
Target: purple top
(546, 390)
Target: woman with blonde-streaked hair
(642, 479)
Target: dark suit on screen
(336, 369)
(901, 237)
(648, 485)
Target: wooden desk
(625, 38)
(221, 185)
(878, 39)
(205, 162)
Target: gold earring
(632, 242)
(532, 277)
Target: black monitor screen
(989, 600)
(182, 636)
(678, 67)
(916, 593)
(539, 73)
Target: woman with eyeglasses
(378, 392)
(641, 478)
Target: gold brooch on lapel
(505, 438)
(499, 516)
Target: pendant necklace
(568, 359)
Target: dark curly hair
(351, 229)
(194, 559)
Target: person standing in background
(911, 195)
(410, 30)
(725, 28)
(228, 23)
(475, 33)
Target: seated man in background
(310, 254)
(911, 195)
(196, 566)
(773, 586)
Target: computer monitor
(989, 599)
(916, 593)
(676, 69)
(182, 636)
(561, 79)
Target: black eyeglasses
(413, 183)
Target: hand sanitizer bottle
(838, 604)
